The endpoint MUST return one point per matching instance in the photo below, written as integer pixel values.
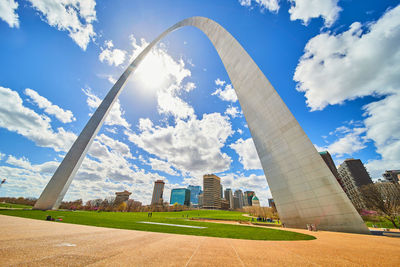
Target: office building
(195, 191)
(211, 191)
(225, 205)
(354, 175)
(239, 195)
(201, 200)
(180, 196)
(229, 198)
(236, 204)
(222, 191)
(255, 201)
(392, 176)
(158, 191)
(248, 196)
(332, 167)
(121, 197)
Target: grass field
(131, 220)
(14, 206)
(383, 224)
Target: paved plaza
(27, 242)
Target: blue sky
(334, 63)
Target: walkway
(41, 243)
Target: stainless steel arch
(304, 189)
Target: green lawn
(14, 206)
(383, 224)
(130, 220)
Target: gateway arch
(304, 189)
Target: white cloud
(365, 60)
(8, 12)
(115, 117)
(170, 104)
(43, 103)
(306, 10)
(271, 5)
(106, 169)
(2, 155)
(111, 79)
(159, 73)
(240, 131)
(45, 168)
(19, 162)
(15, 117)
(383, 127)
(22, 182)
(348, 144)
(233, 111)
(112, 56)
(160, 165)
(190, 146)
(74, 16)
(190, 86)
(219, 82)
(226, 93)
(247, 154)
(98, 178)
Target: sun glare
(152, 74)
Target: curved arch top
(304, 189)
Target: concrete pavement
(27, 242)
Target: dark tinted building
(195, 191)
(180, 196)
(248, 196)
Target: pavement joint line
(194, 252)
(237, 254)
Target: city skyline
(27, 160)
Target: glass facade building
(180, 196)
(195, 191)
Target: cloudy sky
(336, 64)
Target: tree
(122, 207)
(385, 199)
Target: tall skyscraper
(229, 197)
(354, 175)
(180, 196)
(239, 195)
(331, 165)
(158, 190)
(211, 191)
(195, 191)
(248, 196)
(222, 191)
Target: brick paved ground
(27, 242)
